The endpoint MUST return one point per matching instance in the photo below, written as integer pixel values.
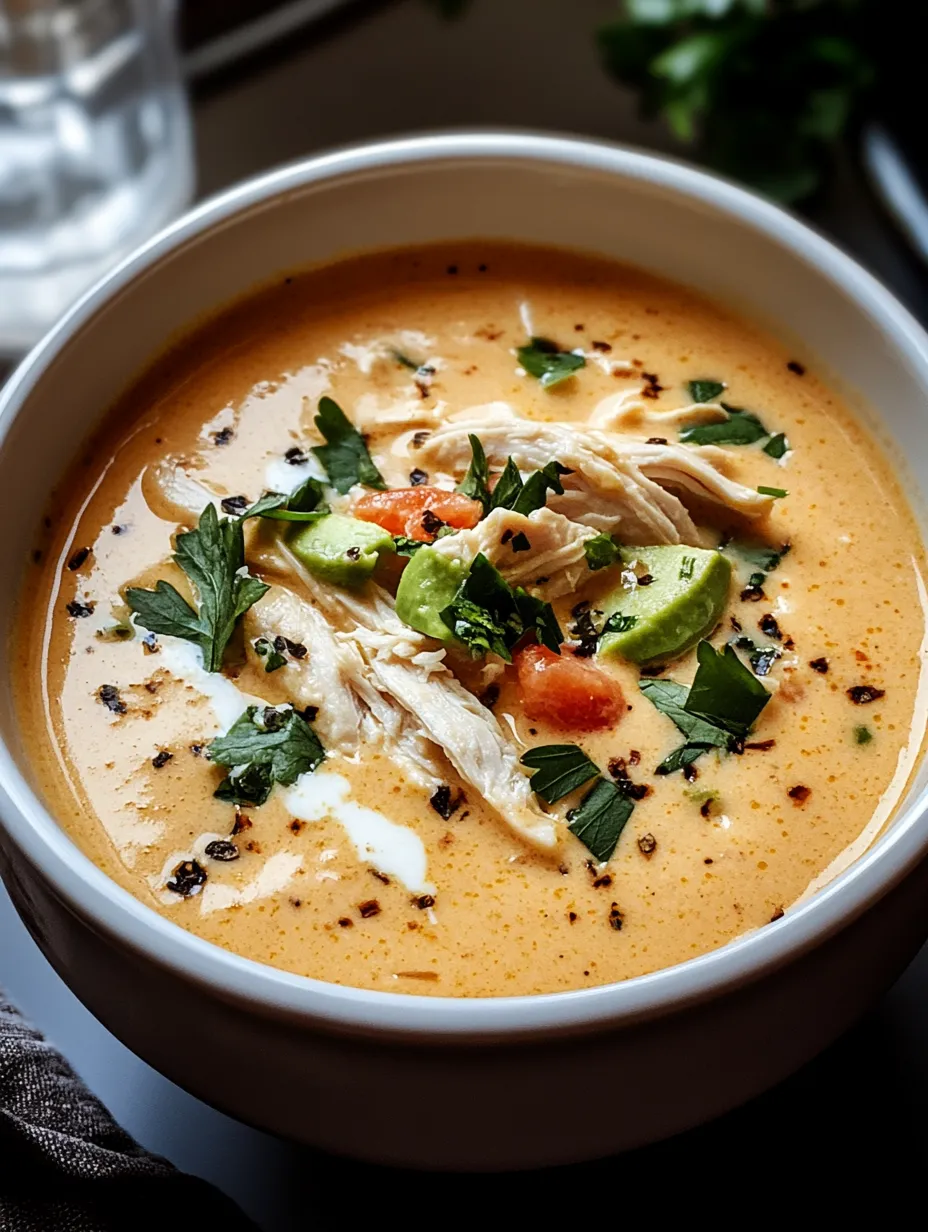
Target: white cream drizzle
(389, 847)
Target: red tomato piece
(401, 511)
(564, 691)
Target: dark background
(855, 1121)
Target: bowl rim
(117, 913)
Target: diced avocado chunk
(429, 583)
(341, 550)
(682, 603)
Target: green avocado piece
(429, 583)
(682, 603)
(341, 550)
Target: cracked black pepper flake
(647, 845)
(443, 803)
(424, 901)
(150, 644)
(345, 921)
(431, 522)
(297, 649)
(370, 907)
(78, 558)
(603, 882)
(221, 849)
(520, 543)
(799, 794)
(706, 807)
(353, 553)
(78, 610)
(645, 580)
(768, 626)
(296, 825)
(690, 773)
(309, 714)
(752, 594)
(295, 456)
(187, 879)
(234, 505)
(618, 768)
(616, 918)
(223, 436)
(506, 536)
(863, 694)
(417, 477)
(118, 529)
(605, 347)
(819, 665)
(795, 366)
(572, 916)
(381, 877)
(736, 624)
(452, 269)
(108, 694)
(161, 759)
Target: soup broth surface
(357, 874)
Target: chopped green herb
(507, 489)
(687, 565)
(757, 579)
(599, 819)
(264, 649)
(601, 552)
(706, 391)
(344, 455)
(213, 558)
(559, 770)
(476, 483)
(404, 361)
(740, 428)
(304, 504)
(487, 614)
(777, 493)
(264, 746)
(511, 493)
(408, 547)
(543, 359)
(862, 735)
(777, 446)
(760, 554)
(761, 658)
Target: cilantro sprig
(213, 558)
(487, 615)
(510, 491)
(344, 455)
(716, 712)
(559, 770)
(304, 504)
(264, 746)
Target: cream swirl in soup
(475, 622)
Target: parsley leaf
(599, 819)
(705, 391)
(344, 455)
(511, 493)
(303, 504)
(600, 552)
(213, 557)
(406, 546)
(559, 770)
(487, 614)
(740, 428)
(264, 746)
(508, 487)
(543, 359)
(476, 483)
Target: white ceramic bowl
(418, 1080)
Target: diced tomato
(401, 510)
(563, 691)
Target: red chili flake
(424, 901)
(616, 918)
(761, 746)
(653, 387)
(108, 694)
(706, 807)
(819, 665)
(221, 849)
(647, 845)
(242, 822)
(602, 882)
(381, 877)
(161, 759)
(799, 794)
(370, 907)
(187, 879)
(296, 826)
(605, 347)
(345, 922)
(78, 558)
(862, 694)
(777, 915)
(656, 440)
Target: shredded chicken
(629, 410)
(617, 483)
(405, 667)
(554, 563)
(171, 492)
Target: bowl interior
(661, 216)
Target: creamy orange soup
(713, 506)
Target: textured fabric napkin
(66, 1166)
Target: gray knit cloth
(66, 1166)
